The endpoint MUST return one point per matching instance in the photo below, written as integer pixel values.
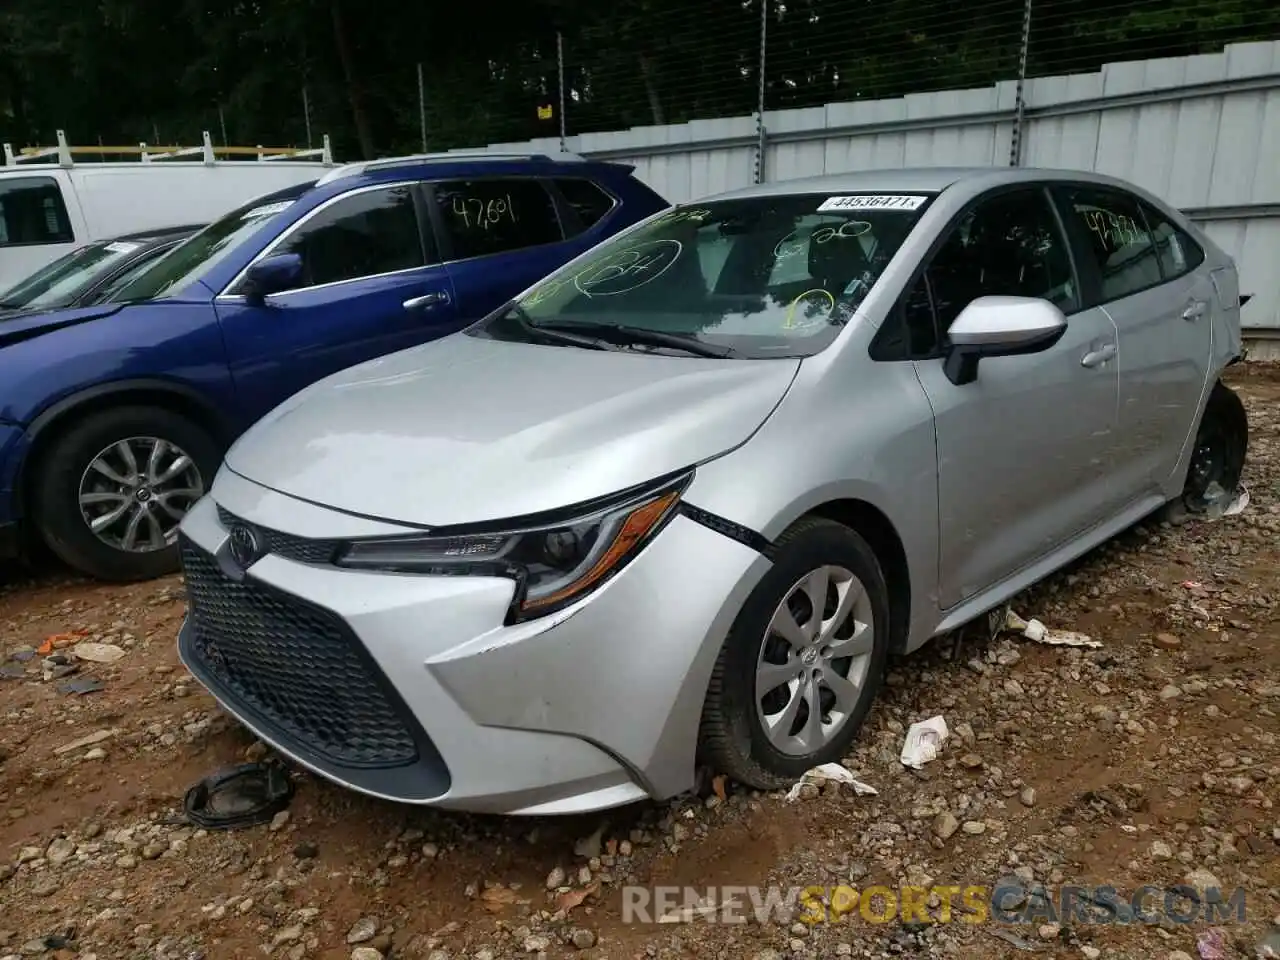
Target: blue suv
(114, 418)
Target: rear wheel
(1217, 459)
(802, 662)
(110, 492)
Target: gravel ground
(1152, 760)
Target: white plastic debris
(829, 773)
(924, 741)
(97, 652)
(1036, 631)
(1220, 503)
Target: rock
(974, 827)
(536, 944)
(87, 741)
(279, 821)
(365, 953)
(556, 878)
(1167, 641)
(1028, 796)
(363, 930)
(590, 846)
(971, 761)
(1179, 955)
(1048, 931)
(1169, 692)
(583, 939)
(1091, 953)
(945, 825)
(430, 851)
(287, 935)
(1201, 880)
(1161, 850)
(27, 854)
(60, 851)
(152, 851)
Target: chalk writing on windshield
(791, 245)
(682, 216)
(478, 213)
(810, 309)
(628, 269)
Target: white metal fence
(1202, 132)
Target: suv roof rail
(450, 156)
(64, 154)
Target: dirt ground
(1154, 759)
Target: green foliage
(162, 71)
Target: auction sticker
(869, 201)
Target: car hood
(24, 325)
(467, 430)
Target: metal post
(306, 115)
(422, 108)
(760, 131)
(222, 123)
(560, 81)
(1015, 148)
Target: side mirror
(273, 275)
(1000, 327)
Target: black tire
(55, 488)
(1221, 445)
(732, 738)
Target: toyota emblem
(245, 549)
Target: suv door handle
(426, 300)
(1194, 311)
(1095, 358)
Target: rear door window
(32, 212)
(485, 217)
(1117, 243)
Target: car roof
(913, 180)
(159, 234)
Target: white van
(50, 204)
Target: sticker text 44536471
(869, 201)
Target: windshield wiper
(555, 336)
(640, 335)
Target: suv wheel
(802, 662)
(110, 492)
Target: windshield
(59, 283)
(755, 277)
(194, 259)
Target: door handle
(1095, 358)
(1194, 311)
(426, 300)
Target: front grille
(296, 667)
(287, 545)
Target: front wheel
(110, 492)
(1217, 459)
(802, 662)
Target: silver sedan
(677, 503)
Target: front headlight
(553, 563)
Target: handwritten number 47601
(478, 213)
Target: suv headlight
(553, 563)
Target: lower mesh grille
(294, 666)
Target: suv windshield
(193, 260)
(57, 284)
(754, 277)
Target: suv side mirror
(274, 274)
(1000, 327)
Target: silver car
(676, 504)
